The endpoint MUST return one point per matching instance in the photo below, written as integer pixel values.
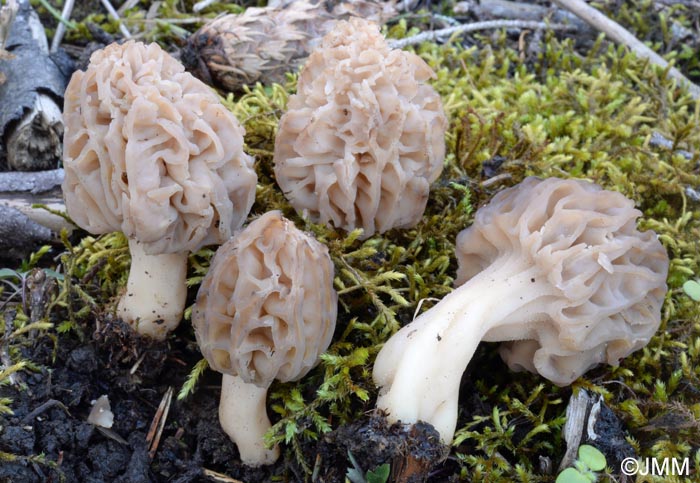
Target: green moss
(668, 29)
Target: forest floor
(520, 101)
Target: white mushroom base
(420, 368)
(243, 416)
(155, 292)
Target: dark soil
(50, 413)
(51, 405)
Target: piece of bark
(21, 191)
(35, 182)
(31, 95)
(22, 226)
(590, 421)
(24, 203)
(18, 230)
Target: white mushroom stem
(421, 366)
(243, 416)
(155, 292)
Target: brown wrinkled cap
(363, 138)
(267, 308)
(265, 44)
(610, 277)
(149, 150)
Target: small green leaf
(290, 430)
(8, 272)
(591, 457)
(571, 475)
(692, 289)
(354, 474)
(379, 475)
(53, 274)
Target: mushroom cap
(267, 308)
(609, 277)
(149, 150)
(264, 44)
(363, 138)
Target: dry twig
(436, 35)
(219, 476)
(619, 34)
(51, 403)
(61, 28)
(158, 423)
(110, 9)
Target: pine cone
(263, 44)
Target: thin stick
(42, 408)
(619, 34)
(64, 21)
(216, 476)
(122, 28)
(472, 27)
(138, 362)
(199, 6)
(127, 5)
(156, 429)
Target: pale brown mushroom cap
(267, 308)
(149, 150)
(363, 138)
(609, 276)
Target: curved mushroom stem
(420, 367)
(155, 292)
(243, 416)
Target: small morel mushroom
(559, 268)
(264, 44)
(363, 137)
(265, 310)
(149, 150)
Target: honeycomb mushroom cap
(149, 150)
(610, 277)
(267, 308)
(363, 138)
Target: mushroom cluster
(363, 137)
(265, 310)
(555, 267)
(150, 151)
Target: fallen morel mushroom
(265, 310)
(363, 137)
(264, 44)
(555, 266)
(149, 150)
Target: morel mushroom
(264, 44)
(150, 150)
(266, 310)
(363, 138)
(559, 268)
